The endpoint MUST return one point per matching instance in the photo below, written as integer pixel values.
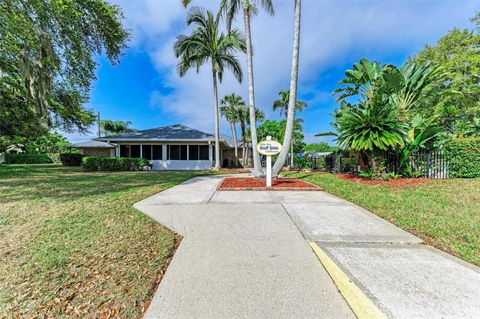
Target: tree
(109, 127)
(458, 104)
(276, 129)
(229, 107)
(282, 103)
(47, 144)
(231, 8)
(319, 147)
(47, 61)
(287, 140)
(207, 43)
(243, 113)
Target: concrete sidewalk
(243, 256)
(237, 260)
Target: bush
(463, 155)
(25, 158)
(71, 159)
(114, 163)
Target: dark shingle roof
(171, 132)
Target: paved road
(243, 256)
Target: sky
(146, 89)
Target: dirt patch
(250, 183)
(395, 183)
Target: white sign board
(269, 148)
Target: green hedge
(114, 163)
(71, 159)
(463, 155)
(24, 158)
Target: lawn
(444, 213)
(71, 245)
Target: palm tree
(282, 103)
(207, 43)
(229, 109)
(231, 8)
(110, 127)
(243, 115)
(287, 140)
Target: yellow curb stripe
(362, 306)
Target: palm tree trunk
(217, 124)
(282, 158)
(257, 166)
(234, 127)
(242, 126)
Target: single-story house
(174, 147)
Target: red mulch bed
(396, 183)
(250, 183)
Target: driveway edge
(361, 305)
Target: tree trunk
(257, 167)
(244, 140)
(234, 127)
(217, 124)
(282, 158)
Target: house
(174, 147)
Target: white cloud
(331, 32)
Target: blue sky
(146, 90)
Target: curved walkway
(246, 254)
(237, 260)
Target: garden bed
(396, 183)
(250, 183)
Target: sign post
(269, 148)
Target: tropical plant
(230, 8)
(47, 61)
(287, 140)
(229, 107)
(109, 127)
(48, 143)
(206, 43)
(282, 103)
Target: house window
(124, 150)
(147, 151)
(203, 152)
(135, 151)
(193, 152)
(157, 152)
(177, 152)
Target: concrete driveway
(246, 254)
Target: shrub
(71, 159)
(114, 163)
(463, 155)
(25, 158)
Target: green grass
(72, 245)
(445, 213)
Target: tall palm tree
(282, 157)
(229, 109)
(207, 43)
(231, 8)
(282, 103)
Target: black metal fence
(426, 164)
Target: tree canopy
(109, 127)
(47, 61)
(458, 106)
